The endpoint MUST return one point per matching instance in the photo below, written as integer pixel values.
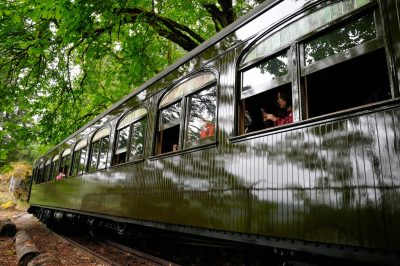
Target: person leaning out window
(285, 115)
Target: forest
(63, 62)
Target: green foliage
(63, 62)
(5, 168)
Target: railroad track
(115, 254)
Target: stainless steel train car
(283, 130)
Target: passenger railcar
(194, 150)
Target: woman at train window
(285, 115)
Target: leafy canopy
(65, 61)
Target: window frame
(349, 54)
(47, 168)
(135, 120)
(128, 152)
(298, 70)
(55, 162)
(39, 174)
(100, 140)
(206, 140)
(271, 84)
(343, 56)
(184, 99)
(65, 161)
(63, 164)
(178, 121)
(79, 171)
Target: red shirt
(284, 120)
(207, 131)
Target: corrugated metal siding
(334, 182)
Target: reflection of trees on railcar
(94, 153)
(335, 182)
(137, 139)
(105, 143)
(122, 141)
(275, 67)
(202, 110)
(171, 113)
(341, 39)
(343, 178)
(209, 195)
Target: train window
(266, 74)
(46, 174)
(187, 114)
(50, 172)
(201, 121)
(79, 157)
(54, 167)
(39, 176)
(137, 139)
(35, 175)
(340, 39)
(122, 145)
(99, 149)
(266, 94)
(301, 27)
(327, 67)
(170, 127)
(130, 137)
(65, 161)
(336, 68)
(103, 152)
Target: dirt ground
(54, 250)
(57, 249)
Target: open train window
(79, 158)
(266, 94)
(40, 174)
(187, 114)
(170, 124)
(65, 162)
(99, 149)
(336, 62)
(131, 131)
(54, 168)
(343, 68)
(46, 172)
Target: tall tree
(62, 62)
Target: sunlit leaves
(63, 62)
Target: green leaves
(63, 62)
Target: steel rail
(140, 255)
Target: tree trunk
(7, 228)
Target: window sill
(97, 170)
(139, 160)
(184, 151)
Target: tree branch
(175, 32)
(222, 18)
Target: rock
(7, 228)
